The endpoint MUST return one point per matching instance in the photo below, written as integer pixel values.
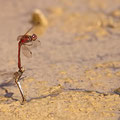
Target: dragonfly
(24, 41)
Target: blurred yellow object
(39, 22)
(39, 18)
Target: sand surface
(75, 73)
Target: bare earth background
(73, 74)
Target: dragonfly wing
(36, 43)
(29, 30)
(33, 44)
(26, 51)
(28, 43)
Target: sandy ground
(75, 71)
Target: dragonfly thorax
(26, 39)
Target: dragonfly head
(34, 37)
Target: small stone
(39, 18)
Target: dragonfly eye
(34, 37)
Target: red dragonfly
(24, 41)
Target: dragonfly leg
(28, 44)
